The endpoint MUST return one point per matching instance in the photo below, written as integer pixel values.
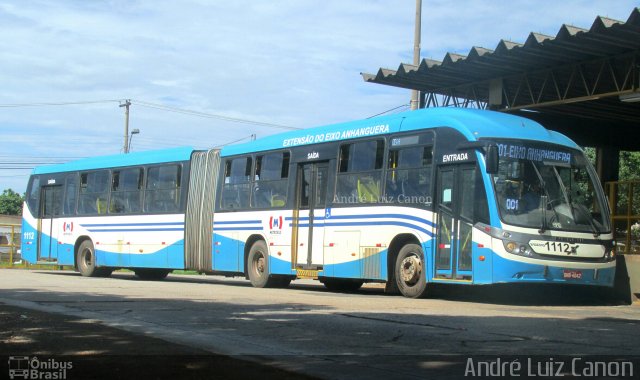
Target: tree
(10, 203)
(629, 165)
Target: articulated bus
(430, 196)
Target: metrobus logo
(275, 223)
(67, 227)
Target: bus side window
(162, 193)
(71, 194)
(94, 192)
(270, 187)
(33, 195)
(126, 191)
(409, 175)
(360, 172)
(237, 183)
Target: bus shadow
(192, 279)
(529, 294)
(500, 294)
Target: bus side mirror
(491, 159)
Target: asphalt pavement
(214, 327)
(96, 351)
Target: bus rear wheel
(410, 272)
(258, 267)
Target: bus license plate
(572, 274)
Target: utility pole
(126, 105)
(415, 95)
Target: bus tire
(410, 272)
(86, 260)
(342, 284)
(151, 274)
(258, 266)
(391, 286)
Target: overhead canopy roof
(572, 82)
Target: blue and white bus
(430, 196)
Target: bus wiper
(596, 232)
(589, 218)
(569, 199)
(543, 226)
(544, 199)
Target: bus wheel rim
(411, 270)
(86, 257)
(258, 264)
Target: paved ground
(306, 329)
(97, 351)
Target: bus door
(48, 227)
(455, 205)
(308, 216)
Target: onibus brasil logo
(23, 367)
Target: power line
(15, 105)
(235, 141)
(14, 157)
(34, 160)
(172, 142)
(15, 176)
(155, 106)
(210, 115)
(390, 110)
(32, 163)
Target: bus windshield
(548, 187)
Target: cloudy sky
(66, 65)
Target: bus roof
(472, 123)
(120, 160)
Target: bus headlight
(611, 254)
(517, 248)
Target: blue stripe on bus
(389, 223)
(383, 216)
(237, 229)
(131, 224)
(373, 216)
(133, 229)
(216, 225)
(385, 223)
(239, 222)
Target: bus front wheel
(410, 271)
